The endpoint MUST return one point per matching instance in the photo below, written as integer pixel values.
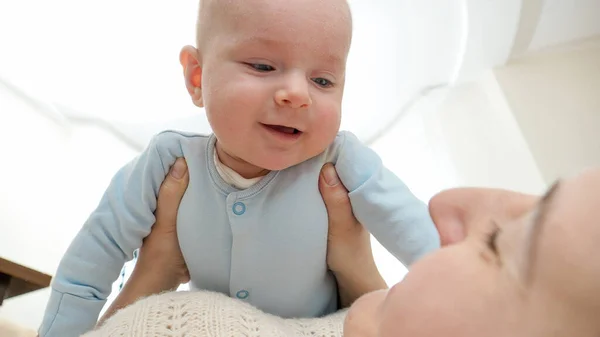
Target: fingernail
(178, 170)
(331, 177)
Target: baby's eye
(261, 67)
(323, 82)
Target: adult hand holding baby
(161, 267)
(349, 254)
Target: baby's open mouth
(284, 129)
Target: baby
(252, 224)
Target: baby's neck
(243, 168)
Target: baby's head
(270, 75)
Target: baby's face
(273, 74)
(539, 275)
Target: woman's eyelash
(491, 241)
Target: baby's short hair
(205, 15)
(201, 9)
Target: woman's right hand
(160, 255)
(349, 254)
(160, 266)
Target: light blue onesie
(266, 244)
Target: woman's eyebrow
(535, 229)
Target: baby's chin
(278, 163)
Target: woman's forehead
(577, 203)
(568, 245)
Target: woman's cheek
(364, 317)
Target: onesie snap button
(242, 294)
(239, 208)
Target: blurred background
(473, 92)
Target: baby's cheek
(325, 125)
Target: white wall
(555, 98)
(52, 177)
(482, 139)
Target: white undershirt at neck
(233, 178)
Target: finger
(171, 192)
(337, 202)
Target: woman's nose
(462, 211)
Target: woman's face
(512, 265)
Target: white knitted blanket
(208, 314)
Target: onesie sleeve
(383, 203)
(107, 240)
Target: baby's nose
(294, 93)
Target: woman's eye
(325, 83)
(261, 67)
(492, 238)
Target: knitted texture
(209, 314)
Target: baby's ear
(189, 57)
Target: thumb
(171, 192)
(337, 202)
